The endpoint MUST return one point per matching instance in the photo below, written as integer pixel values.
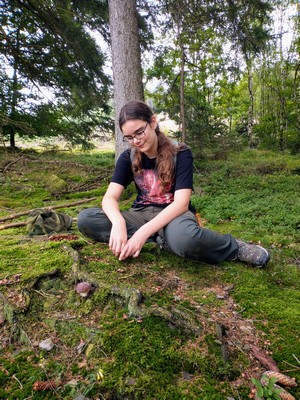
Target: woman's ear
(153, 122)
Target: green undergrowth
(255, 191)
(168, 346)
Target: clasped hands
(122, 247)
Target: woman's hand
(133, 246)
(118, 238)
(110, 205)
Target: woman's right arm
(110, 205)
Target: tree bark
(250, 123)
(296, 74)
(182, 108)
(14, 100)
(126, 58)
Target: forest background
(226, 72)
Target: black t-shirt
(147, 182)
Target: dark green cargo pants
(182, 236)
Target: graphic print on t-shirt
(150, 189)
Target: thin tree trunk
(126, 58)
(263, 90)
(297, 93)
(250, 123)
(178, 10)
(282, 88)
(297, 69)
(182, 109)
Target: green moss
(31, 258)
(101, 297)
(252, 195)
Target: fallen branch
(13, 216)
(264, 359)
(12, 162)
(13, 225)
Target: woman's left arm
(179, 206)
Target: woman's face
(141, 135)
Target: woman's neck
(152, 151)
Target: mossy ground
(253, 195)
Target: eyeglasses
(139, 135)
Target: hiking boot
(252, 254)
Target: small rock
(246, 329)
(55, 184)
(246, 347)
(186, 376)
(229, 288)
(81, 397)
(72, 382)
(46, 344)
(130, 381)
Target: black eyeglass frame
(139, 135)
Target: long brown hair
(166, 149)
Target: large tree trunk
(14, 100)
(126, 58)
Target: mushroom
(83, 288)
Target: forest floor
(156, 327)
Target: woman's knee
(93, 223)
(181, 235)
(84, 217)
(196, 243)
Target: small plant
(266, 389)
